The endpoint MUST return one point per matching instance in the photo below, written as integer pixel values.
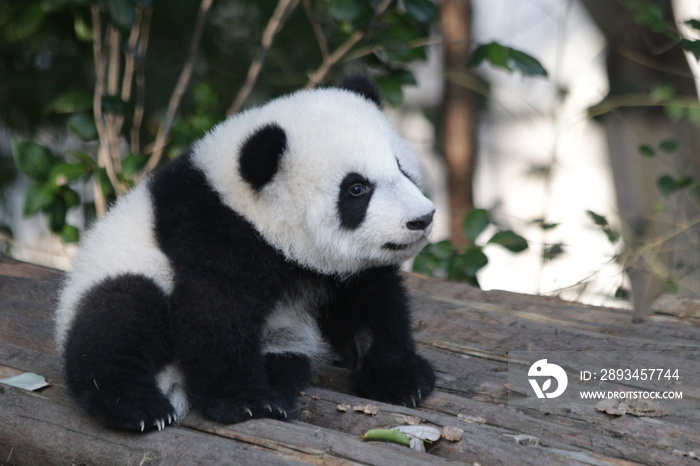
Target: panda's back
(123, 242)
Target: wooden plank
(467, 333)
(35, 431)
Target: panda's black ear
(260, 155)
(362, 85)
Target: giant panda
(215, 283)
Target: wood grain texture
(466, 333)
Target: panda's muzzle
(419, 224)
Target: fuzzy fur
(214, 284)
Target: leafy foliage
(49, 76)
(507, 58)
(442, 260)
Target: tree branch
(178, 92)
(318, 30)
(103, 159)
(282, 11)
(319, 75)
(140, 80)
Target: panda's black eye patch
(353, 200)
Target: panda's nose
(421, 223)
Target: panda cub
(215, 283)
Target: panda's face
(324, 178)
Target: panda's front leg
(218, 348)
(368, 321)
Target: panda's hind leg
(119, 341)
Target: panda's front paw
(404, 382)
(246, 404)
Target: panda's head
(323, 177)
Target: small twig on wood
(282, 11)
(319, 75)
(178, 92)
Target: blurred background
(559, 138)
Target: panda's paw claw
(248, 411)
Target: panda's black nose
(421, 223)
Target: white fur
(330, 133)
(292, 327)
(122, 242)
(171, 383)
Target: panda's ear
(260, 155)
(362, 85)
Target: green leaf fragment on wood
(387, 435)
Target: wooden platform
(467, 333)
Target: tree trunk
(458, 115)
(660, 231)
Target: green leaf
(84, 158)
(23, 20)
(465, 266)
(82, 126)
(597, 219)
(693, 23)
(390, 88)
(509, 240)
(442, 250)
(387, 435)
(83, 28)
(507, 58)
(612, 235)
(621, 293)
(423, 11)
(348, 10)
(526, 64)
(552, 251)
(104, 183)
(492, 52)
(32, 159)
(667, 185)
(668, 146)
(646, 151)
(132, 164)
(56, 214)
(692, 46)
(545, 226)
(70, 197)
(71, 102)
(63, 172)
(204, 96)
(70, 234)
(37, 197)
(475, 223)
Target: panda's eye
(358, 189)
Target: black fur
(261, 153)
(362, 85)
(119, 338)
(352, 206)
(227, 280)
(367, 320)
